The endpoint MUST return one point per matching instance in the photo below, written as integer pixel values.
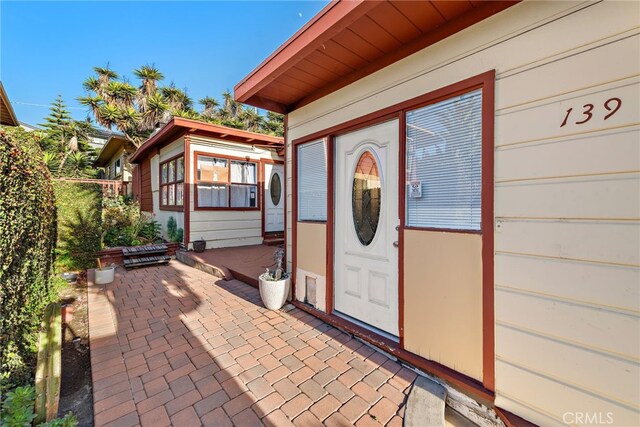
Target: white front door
(365, 221)
(273, 197)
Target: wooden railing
(109, 186)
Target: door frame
(485, 81)
(263, 203)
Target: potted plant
(274, 285)
(199, 245)
(104, 275)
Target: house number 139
(612, 105)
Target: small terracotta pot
(67, 313)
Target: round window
(275, 189)
(366, 198)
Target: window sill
(204, 208)
(172, 208)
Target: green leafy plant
(174, 233)
(126, 225)
(28, 230)
(79, 208)
(18, 410)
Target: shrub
(27, 240)
(174, 233)
(125, 224)
(18, 410)
(80, 221)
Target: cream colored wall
(311, 248)
(311, 251)
(443, 298)
(226, 228)
(567, 199)
(162, 216)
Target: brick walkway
(168, 346)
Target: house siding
(567, 198)
(146, 196)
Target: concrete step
(273, 241)
(426, 404)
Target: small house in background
(114, 158)
(465, 194)
(7, 115)
(223, 185)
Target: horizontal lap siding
(567, 242)
(567, 199)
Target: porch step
(142, 256)
(146, 261)
(144, 250)
(273, 241)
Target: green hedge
(80, 221)
(27, 240)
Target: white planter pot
(274, 293)
(104, 276)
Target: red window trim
(163, 207)
(256, 162)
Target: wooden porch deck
(243, 263)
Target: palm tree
(78, 165)
(149, 76)
(252, 120)
(210, 105)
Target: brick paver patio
(170, 346)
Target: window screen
(444, 164)
(312, 182)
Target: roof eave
(13, 120)
(191, 126)
(110, 147)
(329, 21)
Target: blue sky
(50, 48)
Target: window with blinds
(444, 164)
(312, 181)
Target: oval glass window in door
(275, 189)
(366, 198)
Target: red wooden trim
(331, 142)
(443, 230)
(294, 218)
(454, 378)
(402, 177)
(263, 204)
(179, 125)
(488, 315)
(246, 159)
(171, 208)
(187, 189)
(512, 420)
(177, 208)
(286, 122)
(351, 125)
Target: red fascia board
(335, 17)
(178, 124)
